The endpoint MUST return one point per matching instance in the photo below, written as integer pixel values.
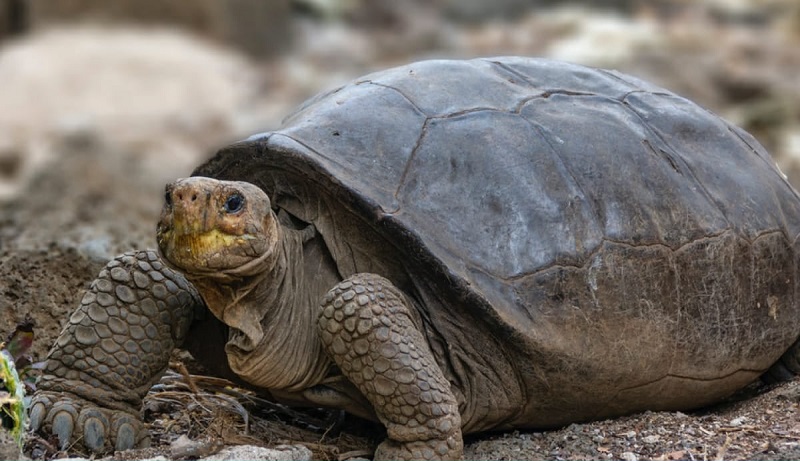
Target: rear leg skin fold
(786, 368)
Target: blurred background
(102, 102)
(170, 80)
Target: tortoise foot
(71, 419)
(115, 346)
(450, 448)
(367, 327)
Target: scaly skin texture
(367, 328)
(115, 347)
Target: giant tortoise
(450, 247)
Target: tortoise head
(212, 227)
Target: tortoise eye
(234, 203)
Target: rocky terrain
(96, 119)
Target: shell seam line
(642, 91)
(293, 139)
(544, 93)
(597, 248)
(435, 116)
(688, 378)
(692, 378)
(637, 89)
(732, 129)
(673, 153)
(555, 153)
(389, 87)
(511, 71)
(410, 160)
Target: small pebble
(651, 439)
(738, 421)
(629, 456)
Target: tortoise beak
(186, 229)
(186, 207)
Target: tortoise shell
(610, 240)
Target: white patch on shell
(591, 274)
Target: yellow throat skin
(202, 243)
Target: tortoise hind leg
(367, 328)
(786, 368)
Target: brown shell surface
(606, 227)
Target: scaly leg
(116, 345)
(367, 328)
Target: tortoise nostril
(194, 197)
(180, 196)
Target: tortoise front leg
(116, 345)
(367, 329)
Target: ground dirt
(93, 194)
(760, 423)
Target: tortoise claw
(129, 432)
(71, 419)
(94, 434)
(95, 427)
(63, 427)
(38, 412)
(126, 437)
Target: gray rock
(280, 453)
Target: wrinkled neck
(274, 342)
(235, 296)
